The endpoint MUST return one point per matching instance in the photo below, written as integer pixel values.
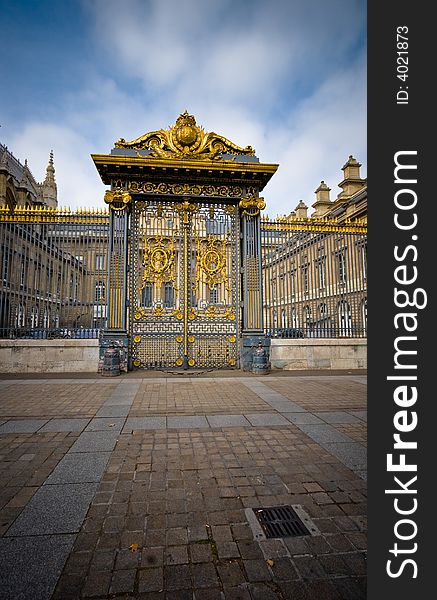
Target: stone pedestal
(249, 342)
(115, 338)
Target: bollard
(260, 365)
(111, 363)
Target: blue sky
(287, 77)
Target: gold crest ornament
(185, 140)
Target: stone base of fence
(297, 354)
(49, 356)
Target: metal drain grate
(280, 521)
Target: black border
(392, 128)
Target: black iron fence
(53, 272)
(314, 278)
(54, 279)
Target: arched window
(20, 315)
(100, 290)
(34, 317)
(344, 318)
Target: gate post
(115, 333)
(252, 292)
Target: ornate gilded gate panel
(184, 304)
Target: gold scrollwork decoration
(211, 257)
(158, 261)
(251, 206)
(137, 362)
(117, 199)
(139, 314)
(185, 208)
(191, 339)
(214, 312)
(179, 339)
(185, 140)
(137, 339)
(191, 362)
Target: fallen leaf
(111, 424)
(270, 562)
(133, 547)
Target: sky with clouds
(287, 77)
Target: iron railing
(53, 272)
(314, 278)
(54, 279)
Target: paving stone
(106, 424)
(302, 418)
(80, 468)
(187, 422)
(22, 425)
(323, 433)
(227, 421)
(31, 566)
(65, 425)
(150, 580)
(122, 581)
(54, 509)
(114, 410)
(95, 441)
(134, 423)
(333, 416)
(97, 584)
(204, 575)
(177, 577)
(262, 419)
(257, 570)
(352, 454)
(360, 414)
(230, 574)
(309, 567)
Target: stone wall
(291, 354)
(49, 356)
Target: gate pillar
(116, 333)
(252, 293)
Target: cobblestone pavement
(147, 487)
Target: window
(100, 290)
(22, 270)
(99, 262)
(20, 315)
(305, 278)
(147, 295)
(364, 315)
(364, 260)
(7, 258)
(344, 318)
(168, 295)
(34, 317)
(321, 271)
(341, 257)
(213, 296)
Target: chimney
(301, 210)
(323, 201)
(352, 181)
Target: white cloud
(276, 75)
